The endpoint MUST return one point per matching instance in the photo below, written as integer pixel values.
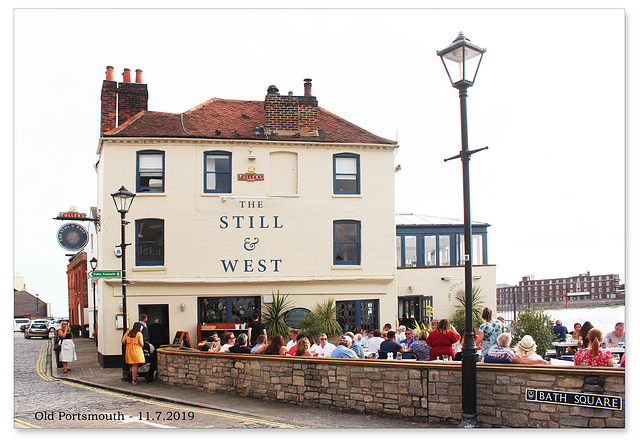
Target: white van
(17, 322)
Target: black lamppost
(123, 200)
(462, 59)
(94, 265)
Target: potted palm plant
(274, 316)
(326, 312)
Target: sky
(549, 101)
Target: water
(603, 317)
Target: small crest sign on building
(251, 175)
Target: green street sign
(104, 274)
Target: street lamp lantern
(93, 263)
(123, 199)
(461, 59)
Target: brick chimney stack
(121, 101)
(132, 97)
(109, 98)
(290, 115)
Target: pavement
(89, 372)
(86, 370)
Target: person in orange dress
(134, 355)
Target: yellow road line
(24, 424)
(221, 414)
(42, 358)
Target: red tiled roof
(237, 119)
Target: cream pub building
(237, 200)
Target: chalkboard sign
(182, 337)
(292, 317)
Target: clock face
(72, 237)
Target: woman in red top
(593, 355)
(442, 340)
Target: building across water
(237, 200)
(578, 291)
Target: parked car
(37, 328)
(18, 322)
(54, 325)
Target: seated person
(616, 336)
(241, 345)
(505, 353)
(325, 348)
(261, 342)
(409, 339)
(560, 331)
(276, 347)
(355, 346)
(400, 333)
(375, 340)
(228, 340)
(389, 345)
(593, 355)
(302, 347)
(343, 350)
(212, 344)
(526, 349)
(420, 346)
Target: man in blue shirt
(343, 350)
(560, 331)
(408, 339)
(389, 345)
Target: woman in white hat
(526, 349)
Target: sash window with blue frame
(346, 242)
(346, 174)
(150, 171)
(217, 172)
(149, 242)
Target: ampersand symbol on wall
(249, 245)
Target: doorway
(160, 312)
(418, 308)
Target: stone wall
(426, 391)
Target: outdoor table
(561, 346)
(615, 350)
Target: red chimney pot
(110, 73)
(138, 75)
(126, 75)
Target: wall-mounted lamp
(477, 277)
(410, 289)
(182, 306)
(447, 278)
(251, 155)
